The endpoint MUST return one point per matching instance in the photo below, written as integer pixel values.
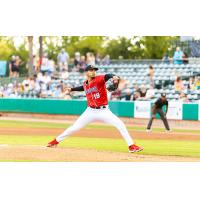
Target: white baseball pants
(104, 115)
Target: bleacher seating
(137, 74)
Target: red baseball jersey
(96, 92)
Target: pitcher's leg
(109, 118)
(82, 121)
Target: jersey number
(97, 96)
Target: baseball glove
(114, 85)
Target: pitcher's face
(91, 73)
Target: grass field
(184, 148)
(152, 147)
(19, 124)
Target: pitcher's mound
(42, 153)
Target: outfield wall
(137, 109)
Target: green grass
(152, 147)
(28, 124)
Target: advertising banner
(142, 109)
(175, 110)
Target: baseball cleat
(134, 148)
(148, 130)
(53, 143)
(168, 131)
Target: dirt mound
(41, 153)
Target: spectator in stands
(136, 94)
(197, 83)
(166, 59)
(63, 59)
(183, 97)
(116, 95)
(44, 63)
(82, 64)
(151, 75)
(178, 84)
(11, 64)
(26, 84)
(77, 59)
(150, 94)
(128, 95)
(98, 59)
(36, 64)
(90, 59)
(51, 67)
(14, 70)
(64, 74)
(46, 78)
(185, 58)
(191, 83)
(18, 62)
(142, 92)
(178, 56)
(31, 83)
(106, 60)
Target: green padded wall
(70, 107)
(190, 111)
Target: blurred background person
(185, 58)
(150, 93)
(82, 64)
(106, 60)
(178, 56)
(183, 97)
(151, 75)
(166, 59)
(90, 59)
(63, 60)
(191, 84)
(44, 63)
(178, 85)
(197, 83)
(98, 59)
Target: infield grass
(152, 147)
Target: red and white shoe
(134, 148)
(53, 143)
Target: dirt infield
(179, 124)
(40, 153)
(113, 133)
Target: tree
(157, 46)
(41, 47)
(119, 47)
(30, 60)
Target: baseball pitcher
(96, 94)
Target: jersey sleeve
(80, 88)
